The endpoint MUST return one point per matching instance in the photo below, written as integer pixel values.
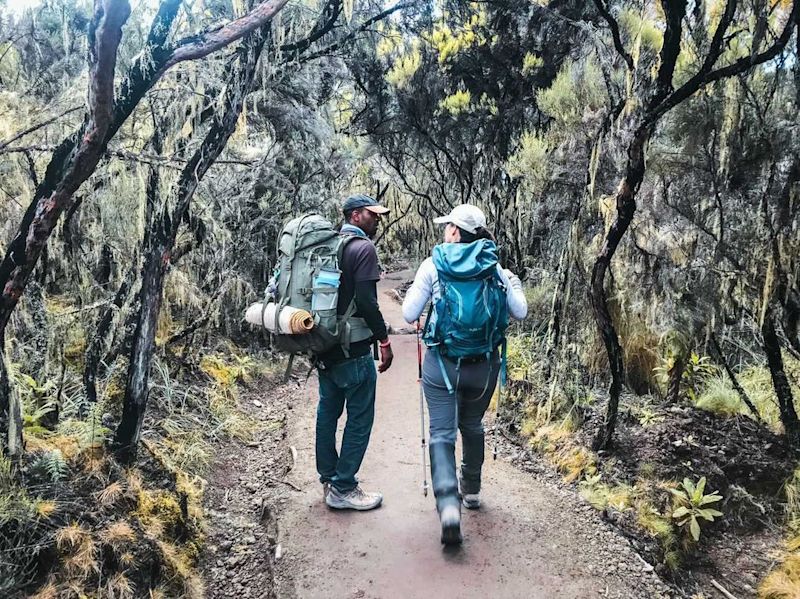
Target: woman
(459, 386)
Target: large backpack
(470, 312)
(307, 276)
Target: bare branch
(674, 11)
(702, 79)
(715, 48)
(327, 19)
(360, 29)
(36, 127)
(614, 27)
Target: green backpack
(307, 277)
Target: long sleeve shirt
(426, 286)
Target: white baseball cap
(465, 216)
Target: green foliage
(449, 42)
(697, 370)
(720, 397)
(577, 92)
(53, 464)
(456, 103)
(531, 62)
(530, 161)
(716, 393)
(645, 33)
(601, 495)
(690, 506)
(88, 432)
(404, 69)
(648, 416)
(521, 358)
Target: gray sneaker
(356, 499)
(471, 501)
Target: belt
(466, 359)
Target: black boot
(445, 488)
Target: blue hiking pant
(463, 410)
(349, 384)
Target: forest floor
(270, 533)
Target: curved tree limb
(705, 76)
(202, 45)
(360, 29)
(324, 25)
(614, 27)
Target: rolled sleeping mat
(291, 321)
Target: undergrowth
(783, 582)
(666, 511)
(74, 523)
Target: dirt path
(526, 541)
(531, 538)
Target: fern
(53, 464)
(89, 432)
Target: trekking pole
(499, 397)
(422, 412)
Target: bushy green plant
(690, 501)
(720, 397)
(696, 371)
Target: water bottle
(325, 293)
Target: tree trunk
(675, 375)
(626, 207)
(556, 307)
(780, 382)
(73, 161)
(95, 349)
(98, 343)
(136, 388)
(162, 242)
(10, 410)
(566, 262)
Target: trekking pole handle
(419, 351)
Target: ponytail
(480, 233)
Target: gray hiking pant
(473, 385)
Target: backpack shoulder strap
(350, 328)
(344, 240)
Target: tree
(77, 156)
(656, 100)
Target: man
(347, 378)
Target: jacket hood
(465, 260)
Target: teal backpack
(470, 313)
(307, 276)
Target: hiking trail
(532, 538)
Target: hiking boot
(355, 499)
(450, 518)
(471, 501)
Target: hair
(348, 214)
(481, 233)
